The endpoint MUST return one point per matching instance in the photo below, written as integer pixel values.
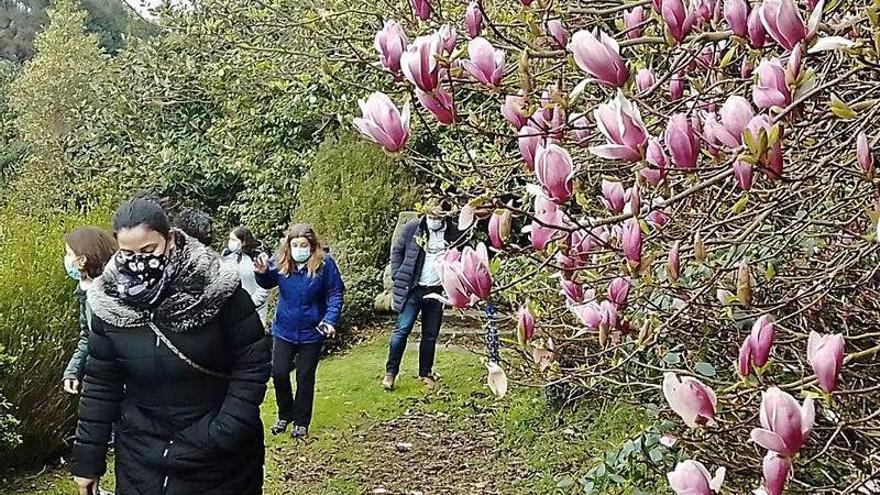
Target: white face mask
(234, 245)
(434, 224)
(300, 254)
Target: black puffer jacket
(180, 431)
(408, 257)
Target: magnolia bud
(603, 334)
(525, 77)
(744, 284)
(699, 248)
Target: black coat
(180, 431)
(408, 257)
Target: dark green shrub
(9, 424)
(38, 328)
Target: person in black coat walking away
(197, 224)
(179, 360)
(87, 251)
(415, 255)
(308, 311)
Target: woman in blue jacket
(309, 305)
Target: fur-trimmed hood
(202, 285)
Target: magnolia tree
(695, 186)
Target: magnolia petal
(497, 379)
(831, 43)
(768, 440)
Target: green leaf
(770, 273)
(841, 109)
(705, 369)
(672, 358)
(740, 205)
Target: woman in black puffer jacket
(179, 359)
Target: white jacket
(258, 294)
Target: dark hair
(249, 244)
(94, 246)
(195, 223)
(141, 210)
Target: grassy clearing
(356, 425)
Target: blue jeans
(432, 317)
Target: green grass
(349, 399)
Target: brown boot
(430, 381)
(388, 381)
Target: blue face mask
(300, 254)
(71, 269)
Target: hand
(87, 486)
(71, 385)
(327, 330)
(261, 264)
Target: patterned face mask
(143, 277)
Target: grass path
(455, 439)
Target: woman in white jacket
(242, 250)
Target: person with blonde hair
(308, 310)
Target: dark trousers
(432, 318)
(304, 357)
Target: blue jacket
(304, 301)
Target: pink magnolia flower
(775, 468)
(681, 142)
(580, 128)
(736, 13)
(590, 314)
(453, 281)
(773, 160)
(438, 103)
(782, 20)
(547, 216)
(618, 291)
(555, 171)
(657, 5)
(597, 54)
(692, 478)
(735, 116)
(525, 323)
(383, 123)
(658, 216)
(825, 354)
(690, 399)
(657, 159)
(679, 18)
(390, 42)
(525, 2)
(621, 123)
(676, 87)
(610, 315)
(422, 8)
(557, 33)
(631, 241)
(419, 63)
(473, 19)
(573, 291)
(785, 424)
(613, 196)
(633, 21)
(863, 154)
(771, 90)
(794, 65)
(486, 64)
(673, 262)
(757, 35)
(644, 79)
(529, 139)
(475, 267)
(755, 349)
(499, 228)
(744, 173)
(550, 117)
(448, 38)
(513, 111)
(745, 69)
